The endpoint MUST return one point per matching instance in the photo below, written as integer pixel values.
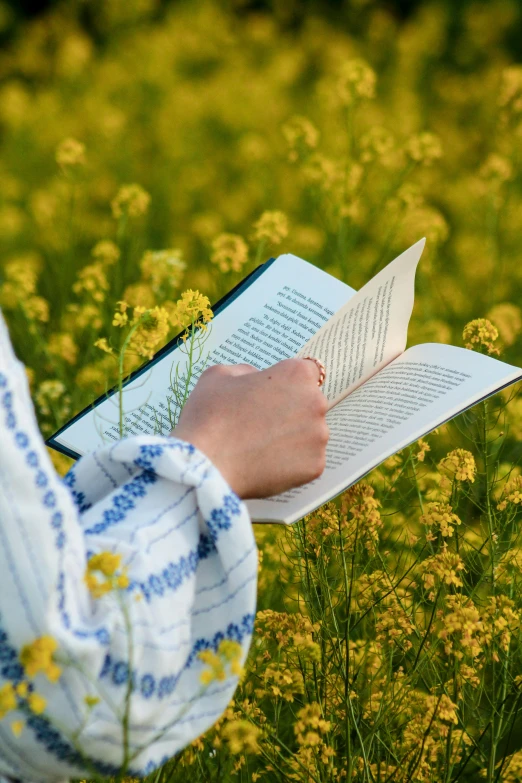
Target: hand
(264, 430)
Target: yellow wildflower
(140, 295)
(309, 724)
(441, 517)
(106, 252)
(109, 565)
(120, 319)
(241, 736)
(70, 154)
(301, 136)
(271, 227)
(152, 329)
(92, 280)
(48, 395)
(91, 701)
(462, 627)
(423, 447)
(38, 657)
(106, 562)
(17, 726)
(22, 689)
(442, 568)
(36, 309)
(7, 699)
(62, 346)
(424, 148)
(104, 346)
(229, 252)
(216, 670)
(131, 200)
(460, 465)
(192, 307)
(512, 493)
(496, 169)
(355, 81)
(163, 269)
(480, 334)
(377, 144)
(96, 588)
(37, 703)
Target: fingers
(297, 370)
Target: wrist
(216, 455)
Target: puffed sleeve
(187, 545)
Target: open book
(382, 397)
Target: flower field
(150, 157)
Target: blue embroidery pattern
(173, 575)
(123, 502)
(118, 671)
(221, 518)
(79, 497)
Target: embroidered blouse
(190, 553)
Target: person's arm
(186, 540)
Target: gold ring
(320, 366)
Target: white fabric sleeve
(188, 544)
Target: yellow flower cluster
(301, 136)
(460, 465)
(439, 517)
(192, 308)
(360, 515)
(109, 566)
(442, 569)
(19, 287)
(272, 227)
(229, 252)
(480, 335)
(130, 201)
(37, 657)
(62, 346)
(51, 397)
(241, 736)
(356, 81)
(106, 252)
(424, 148)
(228, 653)
(151, 328)
(512, 493)
(163, 270)
(92, 280)
(461, 627)
(70, 154)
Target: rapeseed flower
(36, 657)
(229, 252)
(70, 154)
(108, 564)
(131, 200)
(480, 335)
(272, 227)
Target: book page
(370, 330)
(269, 321)
(424, 387)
